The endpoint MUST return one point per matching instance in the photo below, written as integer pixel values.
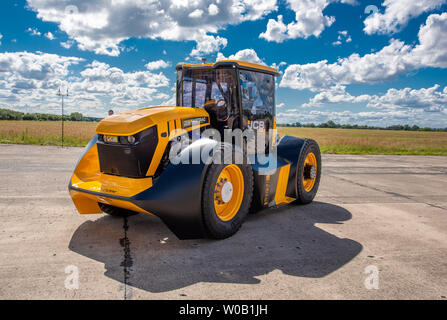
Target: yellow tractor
(200, 166)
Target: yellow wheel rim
(228, 192)
(310, 172)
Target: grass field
(342, 141)
(76, 134)
(353, 141)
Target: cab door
(258, 104)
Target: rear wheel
(308, 172)
(116, 212)
(226, 198)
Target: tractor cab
(236, 94)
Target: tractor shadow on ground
(156, 261)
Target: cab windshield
(201, 87)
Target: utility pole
(62, 95)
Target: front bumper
(107, 189)
(88, 185)
(175, 196)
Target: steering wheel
(221, 104)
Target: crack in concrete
(127, 261)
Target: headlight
(131, 139)
(127, 139)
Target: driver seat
(216, 113)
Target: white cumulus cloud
(158, 64)
(309, 20)
(428, 99)
(397, 14)
(207, 44)
(382, 118)
(100, 25)
(390, 62)
(67, 44)
(49, 36)
(213, 9)
(34, 66)
(248, 55)
(29, 81)
(335, 94)
(196, 13)
(343, 36)
(33, 31)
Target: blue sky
(381, 67)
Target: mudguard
(276, 183)
(176, 197)
(289, 150)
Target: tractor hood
(131, 122)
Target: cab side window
(200, 94)
(258, 99)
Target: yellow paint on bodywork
(310, 160)
(87, 176)
(88, 167)
(283, 179)
(87, 203)
(131, 122)
(113, 185)
(228, 210)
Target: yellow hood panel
(131, 122)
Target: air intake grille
(128, 160)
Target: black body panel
(288, 151)
(129, 160)
(176, 197)
(265, 186)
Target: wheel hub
(310, 172)
(227, 192)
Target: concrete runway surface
(375, 218)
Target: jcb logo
(256, 125)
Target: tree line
(332, 124)
(6, 114)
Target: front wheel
(226, 198)
(308, 172)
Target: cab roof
(233, 64)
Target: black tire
(116, 212)
(303, 196)
(215, 227)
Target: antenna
(62, 95)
